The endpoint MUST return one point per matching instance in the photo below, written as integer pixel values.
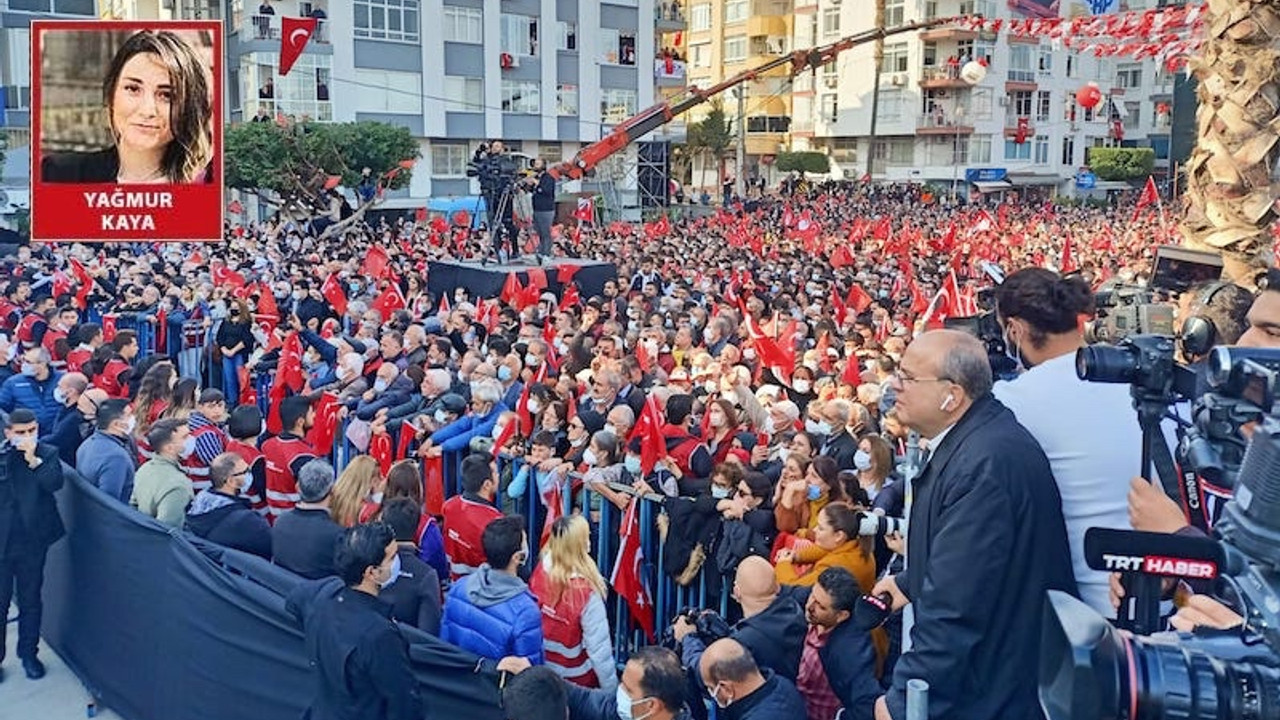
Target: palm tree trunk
(1233, 173)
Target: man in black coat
(30, 473)
(360, 658)
(838, 666)
(302, 540)
(742, 690)
(839, 444)
(987, 540)
(414, 595)
(222, 515)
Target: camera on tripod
(495, 169)
(986, 328)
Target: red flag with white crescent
(294, 34)
(627, 579)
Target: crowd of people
(773, 378)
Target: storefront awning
(987, 186)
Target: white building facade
(932, 126)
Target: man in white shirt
(1089, 431)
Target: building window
(566, 99)
(980, 103)
(700, 17)
(1045, 62)
(929, 54)
(401, 92)
(1068, 150)
(1014, 151)
(895, 58)
(519, 35)
(1042, 106)
(464, 94)
(386, 19)
(735, 49)
(894, 12)
(700, 55)
(449, 160)
(619, 47)
(566, 36)
(617, 105)
(1021, 67)
(890, 107)
(830, 107)
(1129, 77)
(979, 149)
(465, 25)
(896, 151)
(521, 97)
(830, 21)
(1020, 103)
(1042, 149)
(736, 10)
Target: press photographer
(497, 173)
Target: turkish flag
(389, 301)
(565, 272)
(61, 284)
(226, 276)
(537, 278)
(586, 211)
(653, 446)
(1068, 264)
(554, 500)
(248, 396)
(522, 411)
(333, 292)
(571, 297)
(294, 34)
(108, 328)
(325, 429)
(289, 368)
(380, 450)
(511, 289)
(627, 579)
(501, 441)
(838, 308)
(1149, 196)
(84, 283)
(375, 263)
(407, 435)
(267, 301)
(858, 299)
(852, 373)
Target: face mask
(814, 492)
(379, 385)
(862, 460)
(60, 396)
(801, 386)
(715, 695)
(532, 360)
(131, 424)
(298, 295)
(1012, 351)
(504, 373)
(625, 703)
(534, 406)
(611, 429)
(632, 464)
(589, 457)
(354, 287)
(28, 369)
(393, 574)
(749, 353)
(716, 420)
(498, 430)
(188, 446)
(246, 481)
(579, 441)
(811, 426)
(376, 498)
(824, 428)
(720, 493)
(711, 386)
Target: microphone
(871, 611)
(1144, 559)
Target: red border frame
(195, 191)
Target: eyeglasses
(905, 379)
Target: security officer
(360, 658)
(30, 474)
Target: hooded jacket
(493, 615)
(229, 521)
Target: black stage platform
(486, 281)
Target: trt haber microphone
(871, 611)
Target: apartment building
(726, 37)
(546, 77)
(932, 126)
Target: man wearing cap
(286, 454)
(205, 425)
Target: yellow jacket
(848, 556)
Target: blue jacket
(21, 391)
(493, 615)
(108, 463)
(456, 436)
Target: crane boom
(646, 121)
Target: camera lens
(1107, 363)
(1091, 671)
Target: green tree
(806, 162)
(1110, 163)
(711, 136)
(289, 166)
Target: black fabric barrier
(486, 281)
(160, 625)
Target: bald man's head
(941, 374)
(729, 672)
(90, 400)
(755, 585)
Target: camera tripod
(502, 228)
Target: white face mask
(188, 446)
(625, 703)
(441, 416)
(498, 429)
(392, 574)
(611, 429)
(379, 385)
(589, 457)
(131, 424)
(535, 407)
(376, 498)
(246, 481)
(801, 386)
(59, 396)
(862, 460)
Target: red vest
(464, 524)
(27, 328)
(109, 380)
(50, 343)
(77, 358)
(253, 457)
(282, 486)
(562, 636)
(195, 468)
(683, 449)
(8, 311)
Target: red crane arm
(648, 120)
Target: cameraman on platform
(544, 205)
(1086, 429)
(497, 174)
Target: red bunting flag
(294, 34)
(511, 289)
(627, 577)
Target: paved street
(59, 696)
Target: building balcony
(670, 17)
(943, 123)
(941, 76)
(267, 27)
(1020, 83)
(297, 110)
(670, 73)
(765, 143)
(948, 32)
(769, 26)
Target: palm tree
(1232, 172)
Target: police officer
(30, 474)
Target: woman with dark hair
(158, 95)
(235, 341)
(404, 479)
(836, 543)
(722, 426)
(184, 399)
(800, 502)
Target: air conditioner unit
(898, 79)
(831, 81)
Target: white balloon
(973, 72)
